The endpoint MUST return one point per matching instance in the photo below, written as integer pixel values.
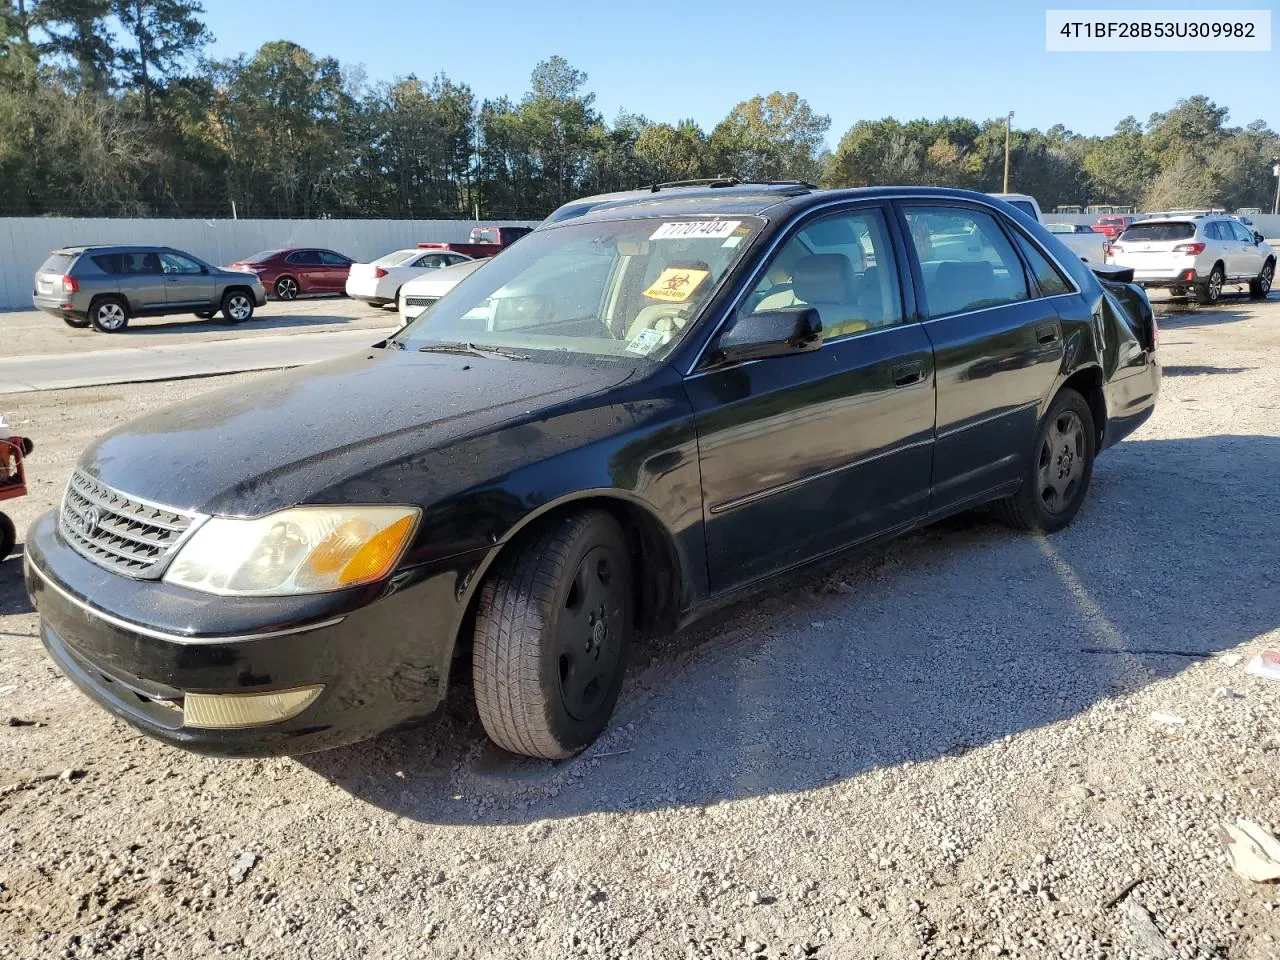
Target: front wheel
(1057, 477)
(1260, 287)
(237, 306)
(552, 630)
(1211, 290)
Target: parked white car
(1089, 246)
(1197, 254)
(379, 283)
(421, 293)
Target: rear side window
(304, 257)
(1160, 232)
(966, 260)
(1048, 278)
(58, 263)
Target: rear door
(804, 454)
(335, 269)
(187, 282)
(142, 280)
(997, 345)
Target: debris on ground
(240, 869)
(1266, 664)
(1169, 719)
(1252, 851)
(1146, 935)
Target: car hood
(249, 450)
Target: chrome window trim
(185, 639)
(852, 202)
(860, 334)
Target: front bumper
(382, 654)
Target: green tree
(78, 39)
(672, 152)
(776, 137)
(166, 35)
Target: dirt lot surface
(26, 333)
(951, 747)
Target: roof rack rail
(703, 182)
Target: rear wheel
(237, 306)
(552, 630)
(287, 288)
(8, 536)
(109, 314)
(1261, 286)
(1211, 290)
(1057, 477)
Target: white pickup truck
(1089, 246)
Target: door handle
(905, 374)
(1047, 333)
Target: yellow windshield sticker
(676, 284)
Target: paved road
(176, 361)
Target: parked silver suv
(108, 285)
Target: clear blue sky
(851, 60)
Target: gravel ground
(943, 749)
(26, 333)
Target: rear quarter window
(58, 263)
(107, 262)
(1159, 232)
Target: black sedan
(652, 403)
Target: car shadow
(1177, 313)
(945, 641)
(260, 321)
(1196, 371)
(13, 593)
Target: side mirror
(1258, 238)
(772, 333)
(204, 271)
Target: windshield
(1159, 232)
(261, 255)
(625, 288)
(397, 258)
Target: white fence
(25, 242)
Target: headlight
(300, 550)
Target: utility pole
(1008, 122)
(1275, 168)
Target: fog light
(229, 711)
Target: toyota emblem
(89, 522)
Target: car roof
(743, 199)
(115, 247)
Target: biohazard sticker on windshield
(676, 284)
(696, 230)
(645, 342)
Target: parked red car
(485, 241)
(1113, 225)
(288, 273)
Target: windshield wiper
(469, 348)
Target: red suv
(298, 270)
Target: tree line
(110, 108)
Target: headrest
(823, 278)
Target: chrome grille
(419, 301)
(129, 536)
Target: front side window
(622, 288)
(177, 263)
(966, 261)
(1241, 232)
(842, 266)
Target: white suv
(1200, 253)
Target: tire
(237, 306)
(1057, 477)
(1261, 286)
(552, 630)
(286, 288)
(1211, 290)
(78, 322)
(8, 536)
(109, 314)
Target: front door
(1250, 257)
(187, 282)
(804, 454)
(996, 339)
(335, 270)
